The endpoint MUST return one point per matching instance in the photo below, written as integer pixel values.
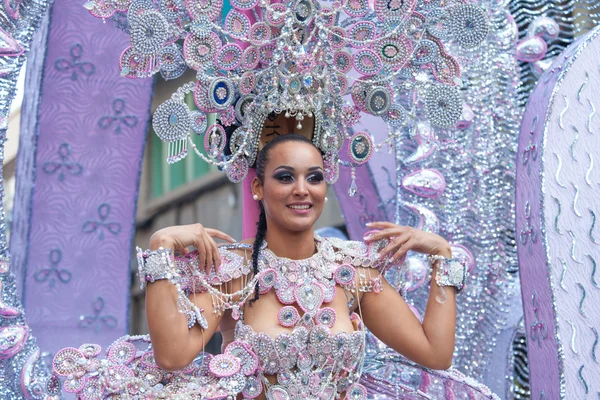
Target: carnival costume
(308, 361)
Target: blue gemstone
(173, 119)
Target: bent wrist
(160, 240)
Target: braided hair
(261, 226)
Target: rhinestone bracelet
(450, 271)
(154, 265)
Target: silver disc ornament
(242, 106)
(149, 32)
(172, 121)
(469, 25)
(443, 105)
(237, 170)
(221, 93)
(360, 147)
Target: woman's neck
(292, 245)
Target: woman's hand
(405, 238)
(180, 237)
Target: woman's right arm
(175, 345)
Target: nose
(300, 188)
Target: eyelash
(313, 178)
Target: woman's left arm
(387, 315)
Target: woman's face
(294, 188)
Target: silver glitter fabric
(23, 375)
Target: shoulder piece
(233, 266)
(355, 253)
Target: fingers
(218, 234)
(396, 245)
(401, 252)
(216, 256)
(385, 233)
(208, 253)
(199, 243)
(380, 225)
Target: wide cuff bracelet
(450, 271)
(158, 264)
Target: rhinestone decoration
(356, 8)
(250, 58)
(221, 93)
(361, 33)
(244, 4)
(443, 105)
(425, 52)
(90, 350)
(379, 101)
(396, 10)
(215, 140)
(288, 316)
(326, 316)
(237, 24)
(229, 57)
(210, 9)
(395, 50)
(360, 147)
(199, 122)
(237, 170)
(66, 362)
(199, 52)
(224, 365)
(396, 116)
(343, 61)
(172, 64)
(121, 352)
(172, 121)
(260, 34)
(438, 24)
(367, 62)
(345, 275)
(266, 280)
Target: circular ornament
(171, 9)
(210, 9)
(121, 352)
(242, 106)
(260, 33)
(425, 52)
(149, 32)
(342, 85)
(356, 8)
(396, 115)
(237, 170)
(366, 62)
(344, 275)
(379, 100)
(360, 147)
(247, 82)
(337, 37)
(303, 11)
(102, 10)
(469, 25)
(237, 24)
(266, 53)
(394, 9)
(199, 122)
(135, 65)
(275, 15)
(66, 362)
(151, 376)
(172, 64)
(224, 365)
(443, 105)
(395, 50)
(92, 389)
(215, 140)
(250, 58)
(221, 93)
(266, 280)
(438, 23)
(332, 141)
(361, 34)
(172, 121)
(359, 92)
(117, 375)
(326, 316)
(244, 4)
(199, 52)
(201, 97)
(327, 16)
(288, 316)
(228, 57)
(227, 116)
(294, 85)
(74, 384)
(356, 392)
(415, 26)
(342, 61)
(90, 350)
(253, 388)
(237, 139)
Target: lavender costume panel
(91, 128)
(557, 207)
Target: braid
(261, 226)
(261, 232)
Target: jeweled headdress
(326, 60)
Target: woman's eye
(284, 177)
(316, 178)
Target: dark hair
(261, 226)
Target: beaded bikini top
(308, 362)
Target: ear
(257, 188)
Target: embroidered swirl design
(575, 210)
(563, 275)
(583, 85)
(583, 294)
(589, 171)
(562, 113)
(591, 232)
(593, 276)
(556, 176)
(582, 379)
(595, 344)
(573, 243)
(590, 116)
(558, 212)
(574, 142)
(573, 336)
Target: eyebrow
(287, 167)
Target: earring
(255, 197)
(326, 199)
